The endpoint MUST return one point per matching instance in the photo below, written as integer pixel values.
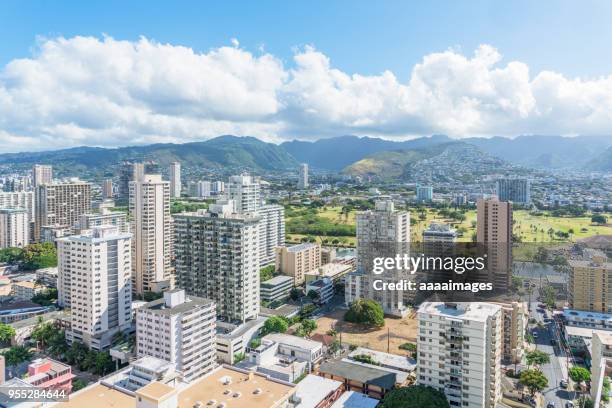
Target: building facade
(94, 282)
(175, 179)
(272, 234)
(517, 190)
(151, 225)
(303, 182)
(298, 260)
(14, 228)
(459, 351)
(217, 258)
(590, 278)
(61, 204)
(179, 329)
(41, 174)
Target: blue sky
(570, 37)
(117, 73)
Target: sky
(121, 73)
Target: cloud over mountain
(108, 92)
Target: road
(556, 370)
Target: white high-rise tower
(303, 179)
(175, 179)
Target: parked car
(569, 404)
(550, 405)
(563, 384)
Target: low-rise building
(317, 392)
(47, 276)
(352, 399)
(333, 271)
(372, 382)
(323, 287)
(26, 290)
(13, 312)
(233, 339)
(277, 288)
(48, 373)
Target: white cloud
(102, 91)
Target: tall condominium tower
(179, 329)
(517, 190)
(175, 179)
(130, 171)
(14, 228)
(303, 177)
(459, 351)
(494, 230)
(19, 199)
(245, 193)
(272, 231)
(94, 272)
(149, 206)
(41, 174)
(590, 277)
(61, 204)
(107, 188)
(217, 258)
(382, 232)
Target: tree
(46, 297)
(534, 380)
(537, 357)
(275, 324)
(6, 333)
(308, 326)
(295, 294)
(416, 396)
(599, 219)
(78, 384)
(266, 273)
(17, 355)
(579, 374)
(549, 296)
(365, 358)
(409, 347)
(367, 312)
(39, 256)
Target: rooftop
(313, 389)
(352, 399)
(293, 341)
(98, 396)
(301, 247)
(236, 388)
(361, 373)
(159, 305)
(278, 280)
(403, 363)
(156, 390)
(476, 311)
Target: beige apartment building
(590, 278)
(298, 260)
(515, 317)
(61, 204)
(41, 174)
(151, 225)
(494, 230)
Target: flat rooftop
(581, 314)
(156, 390)
(99, 396)
(352, 399)
(402, 363)
(475, 311)
(301, 247)
(278, 280)
(159, 305)
(361, 373)
(245, 390)
(293, 341)
(313, 389)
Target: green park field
(327, 225)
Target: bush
(275, 324)
(366, 312)
(365, 358)
(416, 396)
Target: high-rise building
(298, 260)
(303, 182)
(149, 206)
(601, 364)
(94, 271)
(494, 231)
(424, 193)
(217, 258)
(175, 179)
(245, 192)
(107, 189)
(104, 217)
(382, 232)
(459, 351)
(130, 171)
(517, 190)
(41, 174)
(179, 329)
(14, 228)
(272, 233)
(590, 277)
(61, 204)
(21, 199)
